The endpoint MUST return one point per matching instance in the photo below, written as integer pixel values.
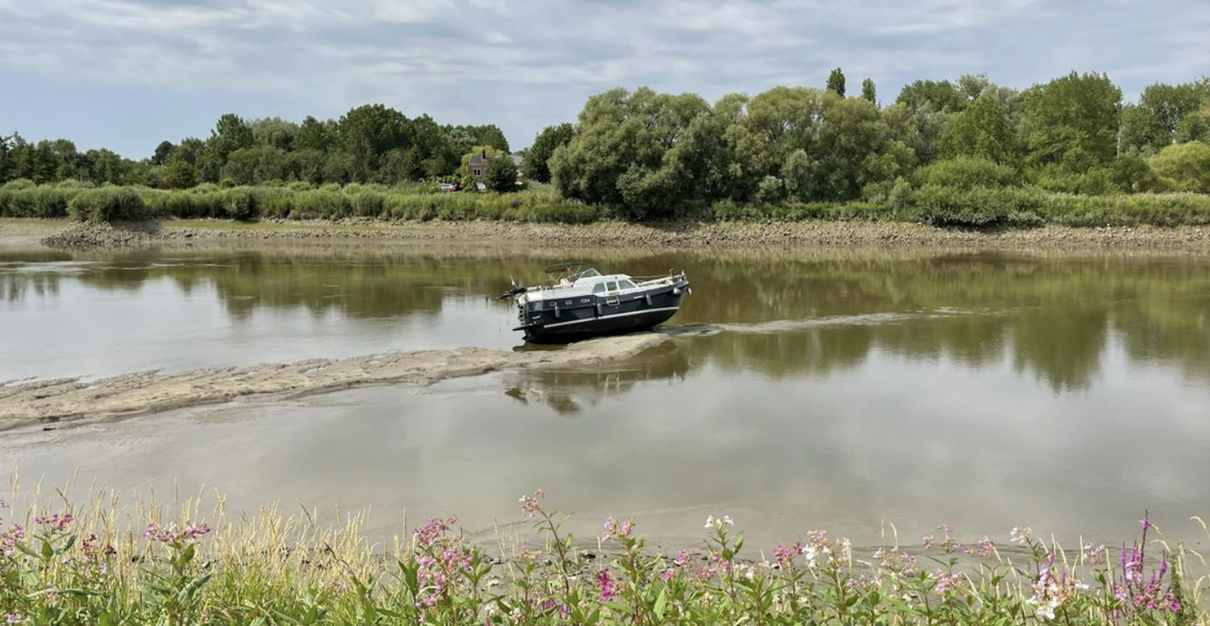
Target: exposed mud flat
(610, 233)
(23, 403)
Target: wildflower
(785, 554)
(4, 504)
(57, 521)
(1093, 554)
(812, 555)
(846, 549)
(946, 582)
(927, 540)
(718, 523)
(433, 531)
(667, 575)
(682, 559)
(1020, 534)
(14, 618)
(981, 549)
(614, 530)
(606, 583)
(174, 535)
(532, 505)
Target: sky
(127, 74)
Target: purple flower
(786, 554)
(14, 618)
(605, 581)
(4, 503)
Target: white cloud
(526, 64)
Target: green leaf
(48, 551)
(661, 603)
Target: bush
(368, 204)
(967, 173)
(977, 207)
(239, 203)
(109, 204)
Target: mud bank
(24, 403)
(681, 234)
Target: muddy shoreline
(23, 403)
(66, 235)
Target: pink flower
(606, 582)
(532, 505)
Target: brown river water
(803, 389)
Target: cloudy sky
(126, 74)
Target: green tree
(179, 174)
(256, 165)
(274, 132)
(852, 133)
(536, 167)
(972, 86)
(983, 130)
(868, 91)
(641, 150)
(1165, 114)
(922, 129)
(314, 135)
(1073, 121)
(162, 152)
(230, 133)
(367, 133)
(939, 95)
(501, 175)
(1188, 164)
(836, 82)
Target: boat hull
(579, 318)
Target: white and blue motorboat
(581, 303)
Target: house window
(477, 172)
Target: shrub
(977, 207)
(239, 203)
(967, 173)
(109, 204)
(368, 204)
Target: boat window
(613, 285)
(598, 288)
(626, 284)
(589, 273)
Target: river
(822, 388)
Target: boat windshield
(588, 273)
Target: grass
(66, 565)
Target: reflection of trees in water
(1051, 316)
(568, 392)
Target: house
(476, 166)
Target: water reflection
(784, 313)
(570, 392)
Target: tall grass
(65, 565)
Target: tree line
(953, 144)
(369, 144)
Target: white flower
(710, 522)
(811, 554)
(727, 520)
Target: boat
(580, 303)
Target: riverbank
(68, 235)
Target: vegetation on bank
(966, 153)
(946, 203)
(73, 567)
